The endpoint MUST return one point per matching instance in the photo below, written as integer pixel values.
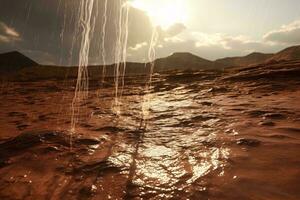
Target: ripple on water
(180, 147)
(179, 163)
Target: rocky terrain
(217, 135)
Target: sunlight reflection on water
(179, 148)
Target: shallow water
(205, 139)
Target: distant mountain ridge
(251, 59)
(14, 60)
(290, 53)
(180, 61)
(18, 65)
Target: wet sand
(210, 135)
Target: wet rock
(88, 141)
(248, 142)
(29, 102)
(274, 116)
(51, 149)
(203, 117)
(267, 73)
(17, 114)
(22, 126)
(256, 113)
(88, 190)
(231, 131)
(249, 105)
(278, 136)
(163, 116)
(98, 112)
(112, 129)
(238, 109)
(218, 89)
(206, 103)
(209, 143)
(290, 129)
(100, 166)
(44, 117)
(31, 139)
(266, 123)
(52, 88)
(85, 125)
(4, 162)
(185, 123)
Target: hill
(16, 66)
(288, 54)
(184, 61)
(14, 61)
(251, 59)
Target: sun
(163, 13)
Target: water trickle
(147, 96)
(86, 29)
(121, 26)
(81, 91)
(103, 52)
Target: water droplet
(94, 188)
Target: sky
(46, 30)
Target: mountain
(251, 59)
(14, 65)
(184, 61)
(290, 53)
(14, 61)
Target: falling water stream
(147, 96)
(120, 52)
(86, 28)
(88, 12)
(87, 25)
(136, 175)
(81, 91)
(103, 54)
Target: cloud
(218, 45)
(46, 31)
(49, 27)
(140, 27)
(8, 34)
(138, 46)
(287, 34)
(175, 29)
(208, 46)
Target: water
(147, 97)
(86, 28)
(103, 54)
(196, 140)
(121, 26)
(201, 141)
(82, 85)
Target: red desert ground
(228, 129)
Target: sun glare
(163, 13)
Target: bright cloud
(287, 34)
(8, 34)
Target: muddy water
(206, 139)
